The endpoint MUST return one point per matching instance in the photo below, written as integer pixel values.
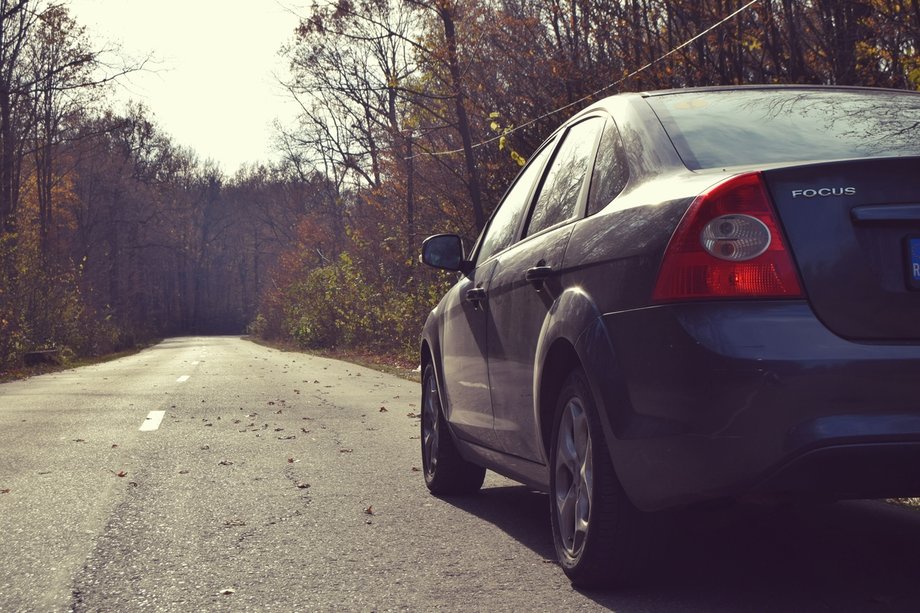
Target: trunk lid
(854, 231)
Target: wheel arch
(574, 336)
(558, 352)
(559, 361)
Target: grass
(24, 372)
(912, 503)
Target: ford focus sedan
(687, 296)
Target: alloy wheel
(574, 477)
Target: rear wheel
(601, 539)
(446, 472)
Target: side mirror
(443, 251)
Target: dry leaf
(228, 591)
(290, 460)
(225, 463)
(302, 485)
(369, 510)
(122, 473)
(5, 490)
(345, 450)
(383, 409)
(416, 469)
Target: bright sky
(212, 85)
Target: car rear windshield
(739, 127)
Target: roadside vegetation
(416, 115)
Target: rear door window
(611, 171)
(559, 195)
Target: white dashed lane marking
(152, 422)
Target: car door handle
(538, 274)
(476, 294)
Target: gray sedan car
(687, 296)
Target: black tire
(446, 472)
(601, 539)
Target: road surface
(217, 474)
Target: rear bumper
(734, 399)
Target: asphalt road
(282, 482)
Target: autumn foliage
(416, 115)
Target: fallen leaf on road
(289, 437)
(114, 446)
(225, 463)
(369, 510)
(345, 450)
(132, 483)
(290, 460)
(383, 409)
(302, 485)
(122, 473)
(305, 431)
(271, 402)
(183, 471)
(5, 490)
(228, 591)
(278, 412)
(412, 415)
(205, 447)
(79, 440)
(416, 469)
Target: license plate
(913, 262)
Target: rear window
(731, 128)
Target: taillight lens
(728, 245)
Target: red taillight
(706, 256)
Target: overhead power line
(595, 93)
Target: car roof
(773, 86)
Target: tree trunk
(463, 123)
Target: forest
(414, 117)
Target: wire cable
(593, 94)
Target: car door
(525, 283)
(466, 384)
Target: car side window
(610, 169)
(558, 199)
(506, 220)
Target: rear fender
(573, 335)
